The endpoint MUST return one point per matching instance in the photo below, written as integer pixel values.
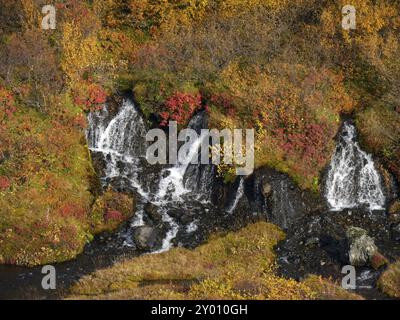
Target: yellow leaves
(278, 288)
(214, 289)
(31, 14)
(79, 52)
(371, 18)
(232, 7)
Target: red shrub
(306, 145)
(224, 101)
(113, 215)
(4, 183)
(180, 107)
(72, 210)
(7, 104)
(90, 96)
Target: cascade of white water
(352, 179)
(238, 196)
(121, 141)
(172, 187)
(172, 184)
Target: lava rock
(395, 232)
(146, 238)
(152, 211)
(362, 247)
(186, 218)
(311, 242)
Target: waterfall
(238, 196)
(352, 179)
(120, 140)
(183, 178)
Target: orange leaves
(89, 96)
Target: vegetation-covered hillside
(286, 68)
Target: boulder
(152, 212)
(186, 218)
(362, 247)
(146, 238)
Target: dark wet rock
(395, 232)
(146, 238)
(175, 213)
(296, 259)
(119, 184)
(279, 197)
(98, 163)
(390, 187)
(152, 212)
(312, 242)
(186, 219)
(361, 246)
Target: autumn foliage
(90, 96)
(180, 107)
(285, 68)
(7, 104)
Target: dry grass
(389, 282)
(327, 290)
(238, 265)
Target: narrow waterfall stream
(353, 180)
(238, 196)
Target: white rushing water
(173, 181)
(238, 196)
(352, 179)
(120, 139)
